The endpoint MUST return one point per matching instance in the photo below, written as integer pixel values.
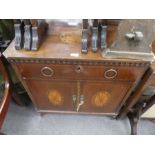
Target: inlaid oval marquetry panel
(67, 37)
(100, 98)
(55, 97)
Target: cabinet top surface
(55, 50)
(60, 43)
(54, 47)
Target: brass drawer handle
(81, 103)
(110, 74)
(75, 102)
(47, 71)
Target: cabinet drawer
(63, 71)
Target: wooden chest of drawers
(59, 78)
(83, 85)
(78, 87)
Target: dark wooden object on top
(39, 30)
(29, 34)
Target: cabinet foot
(133, 123)
(17, 99)
(42, 114)
(134, 117)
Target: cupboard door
(52, 95)
(103, 97)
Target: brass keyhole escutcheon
(78, 69)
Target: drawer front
(59, 71)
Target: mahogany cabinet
(81, 86)
(59, 78)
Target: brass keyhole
(78, 69)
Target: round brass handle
(110, 74)
(47, 71)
